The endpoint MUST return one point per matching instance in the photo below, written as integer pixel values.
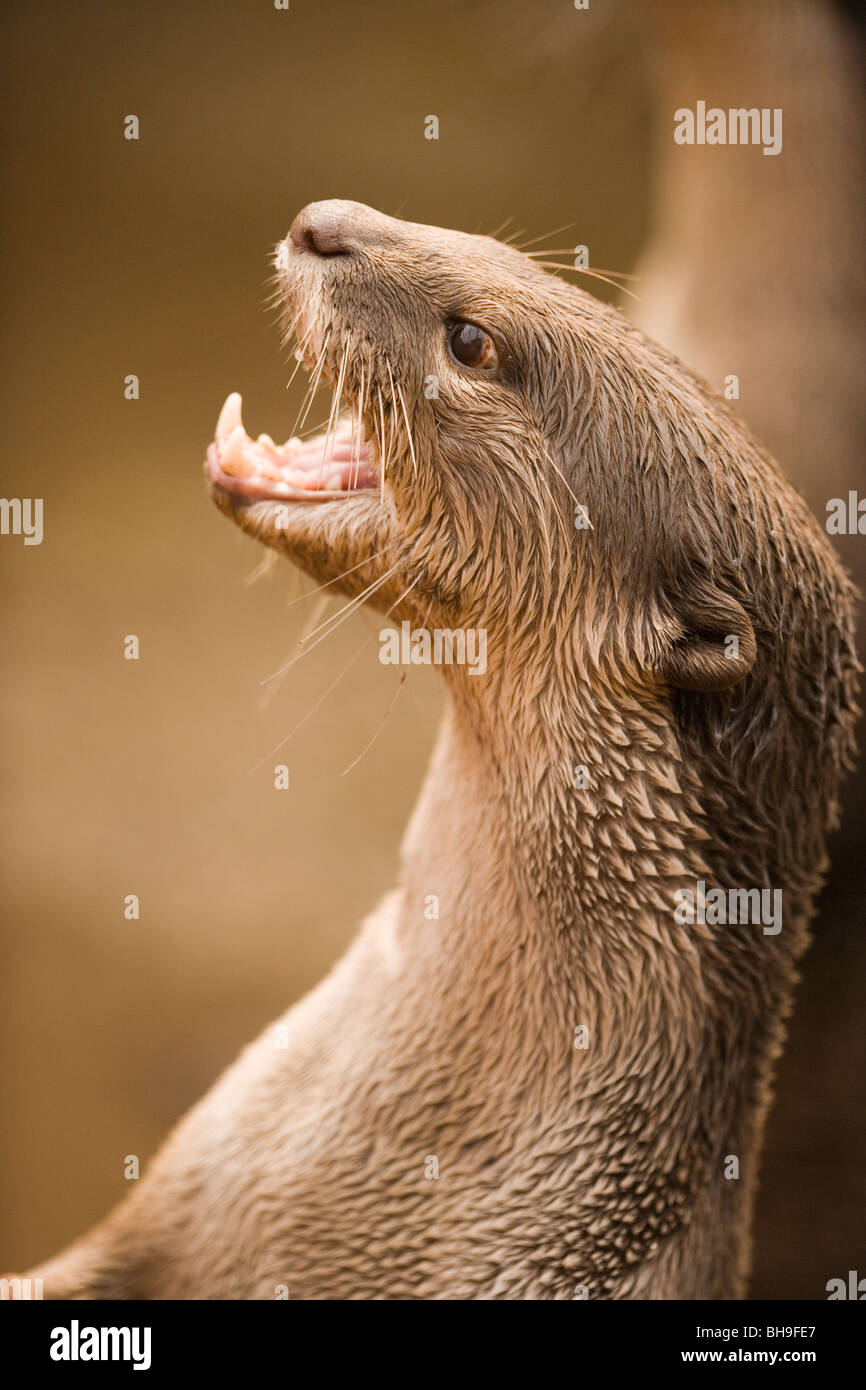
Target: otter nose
(323, 228)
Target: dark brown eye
(472, 346)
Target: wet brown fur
(560, 1169)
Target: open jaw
(335, 463)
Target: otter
(553, 1086)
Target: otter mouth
(335, 463)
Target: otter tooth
(335, 483)
(230, 417)
(232, 448)
(266, 440)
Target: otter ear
(711, 644)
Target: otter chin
(554, 1086)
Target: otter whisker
(268, 694)
(501, 228)
(380, 726)
(357, 433)
(319, 366)
(306, 403)
(584, 270)
(290, 324)
(277, 294)
(385, 451)
(555, 466)
(310, 626)
(334, 683)
(368, 559)
(392, 425)
(321, 700)
(569, 251)
(311, 429)
(347, 612)
(358, 602)
(532, 240)
(402, 401)
(335, 407)
(392, 418)
(354, 602)
(314, 384)
(295, 370)
(301, 345)
(288, 328)
(265, 565)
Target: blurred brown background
(140, 777)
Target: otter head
(497, 452)
(504, 452)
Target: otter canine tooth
(232, 449)
(230, 417)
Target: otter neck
(549, 922)
(577, 816)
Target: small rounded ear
(712, 646)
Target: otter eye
(471, 346)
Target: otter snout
(333, 227)
(339, 227)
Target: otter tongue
(338, 463)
